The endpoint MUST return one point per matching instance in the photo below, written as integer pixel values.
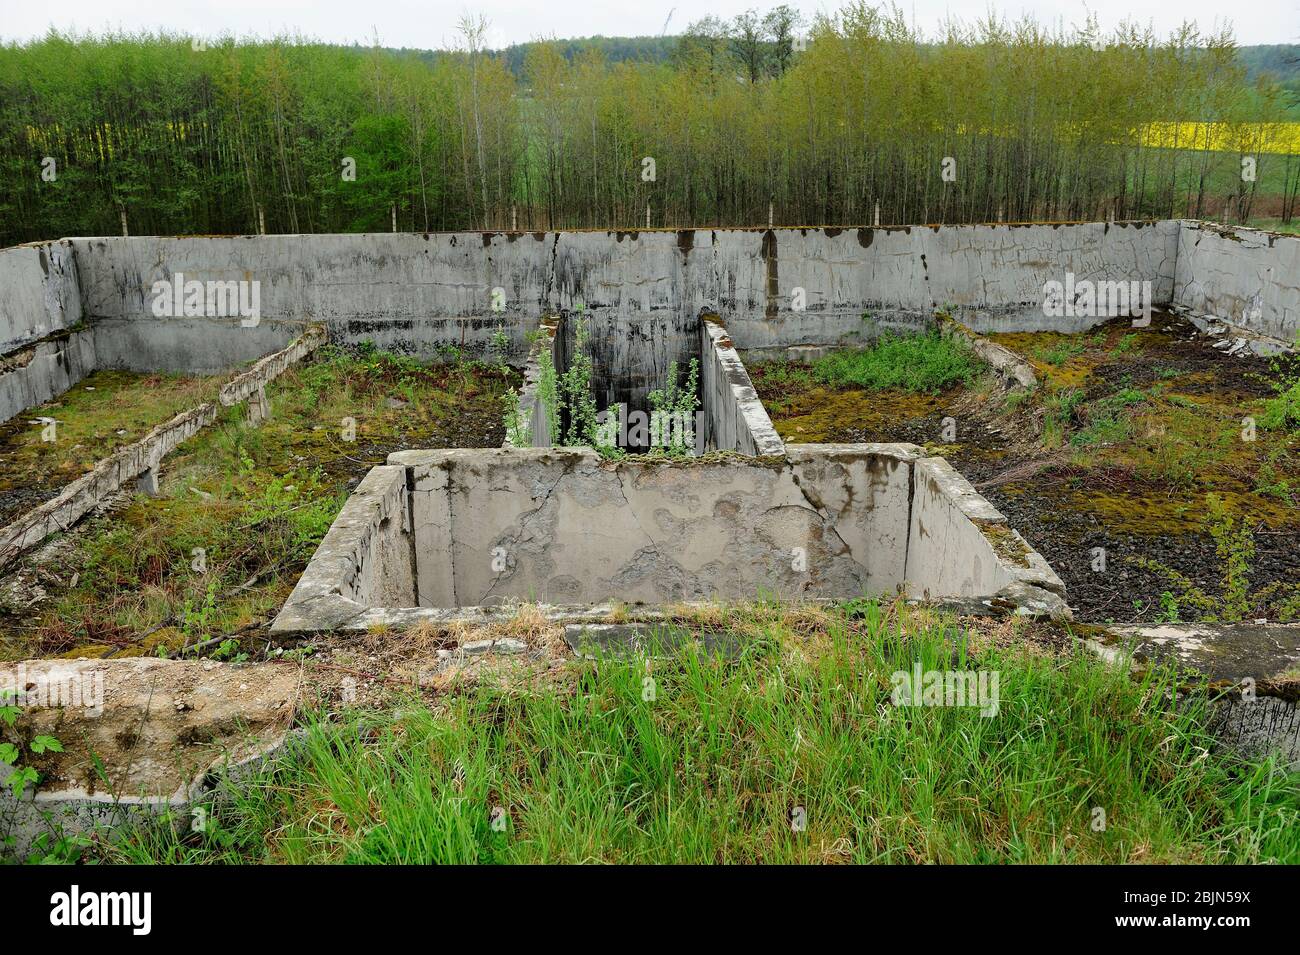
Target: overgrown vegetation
(1235, 599)
(242, 509)
(793, 752)
(926, 363)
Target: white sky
(432, 23)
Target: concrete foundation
(472, 530)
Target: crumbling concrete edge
(530, 408)
(1012, 370)
(320, 600)
(1254, 712)
(1031, 574)
(127, 463)
(759, 437)
(267, 369)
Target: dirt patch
(1107, 464)
(145, 727)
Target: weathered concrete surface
(1253, 670)
(959, 544)
(39, 294)
(639, 295)
(1012, 370)
(41, 372)
(564, 527)
(640, 291)
(1223, 652)
(366, 558)
(992, 277)
(1246, 278)
(597, 640)
(158, 729)
(254, 381)
(531, 409)
(734, 417)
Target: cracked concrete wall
(405, 292)
(641, 291)
(34, 375)
(563, 527)
(992, 276)
(366, 558)
(1247, 278)
(39, 294)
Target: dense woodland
(848, 120)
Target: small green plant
(576, 392)
(672, 409)
(1059, 415)
(518, 430)
(196, 622)
(1059, 353)
(1282, 411)
(1234, 542)
(228, 650)
(21, 774)
(1127, 343)
(499, 347)
(1108, 418)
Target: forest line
(850, 120)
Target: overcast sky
(432, 23)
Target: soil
(1137, 493)
(103, 412)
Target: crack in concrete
(515, 539)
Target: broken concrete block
(142, 738)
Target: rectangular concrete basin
(437, 534)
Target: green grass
(713, 767)
(919, 363)
(1062, 351)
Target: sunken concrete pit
(442, 535)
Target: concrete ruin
(463, 535)
(476, 530)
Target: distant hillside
(1281, 61)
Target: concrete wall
(38, 373)
(1246, 278)
(563, 527)
(364, 560)
(640, 291)
(734, 418)
(39, 294)
(959, 544)
(532, 411)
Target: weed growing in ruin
(519, 431)
(672, 411)
(920, 363)
(576, 392)
(1234, 541)
(21, 775)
